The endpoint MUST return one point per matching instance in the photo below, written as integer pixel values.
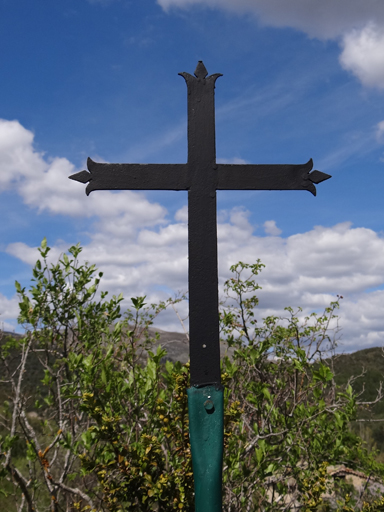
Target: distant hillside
(370, 362)
(175, 343)
(34, 373)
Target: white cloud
(310, 269)
(6, 327)
(182, 214)
(363, 54)
(271, 229)
(17, 158)
(364, 318)
(238, 218)
(44, 184)
(29, 255)
(8, 307)
(9, 310)
(359, 25)
(307, 269)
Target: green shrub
(106, 427)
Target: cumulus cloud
(182, 214)
(310, 269)
(359, 26)
(8, 307)
(307, 269)
(363, 320)
(9, 310)
(18, 159)
(29, 255)
(271, 229)
(363, 54)
(43, 184)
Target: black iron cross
(201, 177)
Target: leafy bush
(107, 426)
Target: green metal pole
(206, 432)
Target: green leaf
(259, 455)
(138, 302)
(117, 329)
(151, 369)
(169, 366)
(88, 361)
(267, 394)
(323, 373)
(49, 400)
(31, 452)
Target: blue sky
(100, 78)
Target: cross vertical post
(205, 396)
(202, 229)
(202, 177)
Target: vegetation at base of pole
(94, 418)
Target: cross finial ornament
(202, 176)
(201, 70)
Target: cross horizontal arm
(269, 177)
(132, 176)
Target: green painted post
(206, 431)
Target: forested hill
(369, 363)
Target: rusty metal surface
(201, 177)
